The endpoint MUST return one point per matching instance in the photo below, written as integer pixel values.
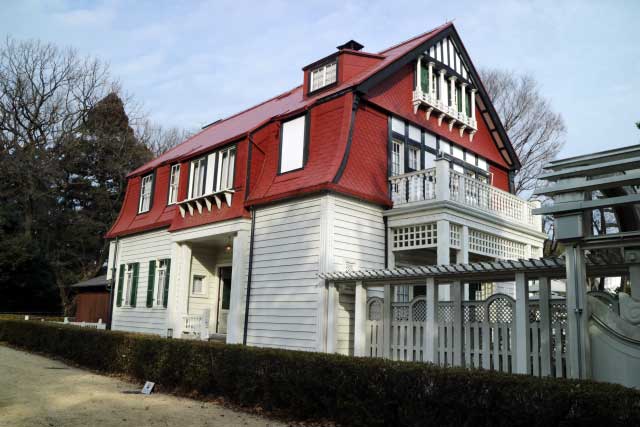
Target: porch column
(431, 327)
(456, 301)
(237, 302)
(386, 323)
(462, 256)
(332, 324)
(419, 75)
(473, 103)
(578, 342)
(522, 345)
(360, 321)
(444, 102)
(452, 90)
(175, 297)
(545, 325)
(463, 98)
(444, 236)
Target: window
(323, 76)
(128, 286)
(396, 158)
(414, 159)
(402, 293)
(226, 161)
(197, 286)
(198, 175)
(457, 152)
(482, 164)
(146, 190)
(429, 160)
(161, 282)
(445, 147)
(174, 179)
(293, 139)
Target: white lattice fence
(548, 346)
(407, 330)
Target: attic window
(146, 192)
(323, 76)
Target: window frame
(174, 188)
(231, 169)
(305, 142)
(192, 174)
(203, 292)
(151, 177)
(323, 66)
(127, 286)
(158, 301)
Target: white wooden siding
(284, 289)
(142, 248)
(345, 315)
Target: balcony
(443, 184)
(205, 201)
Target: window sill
(206, 200)
(199, 295)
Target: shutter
(134, 284)
(151, 282)
(120, 284)
(167, 275)
(424, 77)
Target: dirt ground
(36, 391)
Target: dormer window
(323, 76)
(146, 193)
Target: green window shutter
(151, 282)
(424, 78)
(120, 284)
(167, 275)
(134, 284)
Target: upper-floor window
(293, 142)
(198, 175)
(397, 154)
(414, 159)
(174, 180)
(146, 193)
(226, 162)
(323, 76)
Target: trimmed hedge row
(349, 391)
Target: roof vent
(352, 45)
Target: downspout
(386, 242)
(249, 274)
(113, 284)
(578, 309)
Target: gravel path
(36, 391)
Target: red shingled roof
(244, 122)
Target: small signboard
(148, 387)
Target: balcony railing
(441, 183)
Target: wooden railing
(442, 183)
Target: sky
(193, 62)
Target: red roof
(240, 124)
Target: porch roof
(610, 263)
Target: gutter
(249, 274)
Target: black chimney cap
(351, 44)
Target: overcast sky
(192, 63)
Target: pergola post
(360, 320)
(456, 301)
(431, 326)
(545, 325)
(332, 324)
(522, 345)
(444, 236)
(578, 341)
(386, 323)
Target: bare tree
(536, 131)
(158, 138)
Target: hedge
(346, 390)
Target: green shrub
(349, 391)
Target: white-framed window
(226, 163)
(414, 158)
(161, 282)
(397, 158)
(323, 76)
(429, 160)
(128, 284)
(146, 189)
(197, 285)
(293, 135)
(445, 147)
(457, 152)
(482, 164)
(198, 176)
(402, 293)
(174, 181)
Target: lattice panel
(455, 233)
(500, 311)
(495, 246)
(419, 311)
(473, 313)
(375, 310)
(415, 236)
(536, 252)
(558, 313)
(400, 312)
(445, 313)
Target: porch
(541, 330)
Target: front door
(224, 293)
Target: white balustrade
(413, 187)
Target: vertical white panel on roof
(445, 147)
(429, 160)
(397, 125)
(438, 51)
(430, 140)
(292, 149)
(432, 52)
(451, 52)
(470, 158)
(414, 133)
(482, 164)
(457, 152)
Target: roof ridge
(446, 24)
